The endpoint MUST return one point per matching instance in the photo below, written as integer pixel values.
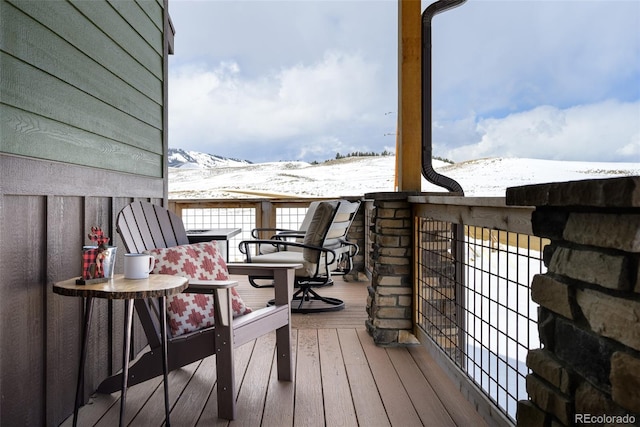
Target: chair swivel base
(267, 282)
(305, 300)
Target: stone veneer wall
(589, 316)
(390, 300)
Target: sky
(304, 79)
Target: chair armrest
(243, 245)
(351, 247)
(283, 277)
(209, 286)
(288, 235)
(221, 291)
(255, 232)
(259, 269)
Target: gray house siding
(75, 91)
(82, 133)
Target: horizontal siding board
(105, 17)
(154, 11)
(139, 20)
(27, 88)
(19, 176)
(66, 21)
(29, 135)
(44, 50)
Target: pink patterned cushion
(191, 312)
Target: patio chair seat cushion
(283, 257)
(187, 312)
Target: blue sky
(302, 80)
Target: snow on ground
(356, 176)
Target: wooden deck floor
(341, 379)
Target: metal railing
(475, 260)
(245, 214)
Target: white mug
(138, 266)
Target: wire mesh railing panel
(474, 302)
(290, 218)
(245, 218)
(211, 218)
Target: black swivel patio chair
(324, 251)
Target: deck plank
(308, 411)
(152, 413)
(278, 408)
(96, 407)
(194, 397)
(461, 410)
(209, 416)
(137, 397)
(253, 389)
(366, 399)
(424, 398)
(338, 404)
(397, 402)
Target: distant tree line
(442, 159)
(363, 154)
(372, 154)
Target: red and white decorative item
(191, 312)
(98, 260)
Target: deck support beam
(409, 132)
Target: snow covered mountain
(356, 176)
(179, 158)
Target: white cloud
(606, 131)
(301, 106)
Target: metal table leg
(83, 355)
(165, 359)
(126, 352)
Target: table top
(157, 285)
(215, 233)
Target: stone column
(389, 304)
(589, 316)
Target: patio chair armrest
(259, 269)
(221, 292)
(255, 231)
(352, 247)
(243, 246)
(275, 242)
(197, 286)
(288, 234)
(283, 276)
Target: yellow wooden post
(409, 143)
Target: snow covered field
(356, 176)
